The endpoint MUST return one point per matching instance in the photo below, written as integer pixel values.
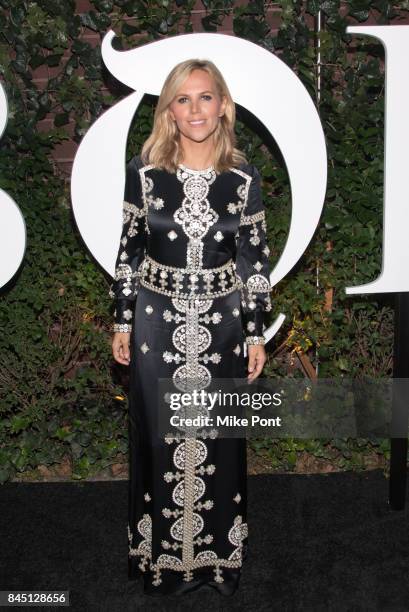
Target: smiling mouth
(197, 122)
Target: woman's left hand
(257, 358)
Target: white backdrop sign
(395, 255)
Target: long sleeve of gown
(124, 287)
(252, 264)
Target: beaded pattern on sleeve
(122, 327)
(255, 339)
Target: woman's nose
(195, 106)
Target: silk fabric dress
(191, 285)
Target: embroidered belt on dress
(184, 283)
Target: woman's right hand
(121, 347)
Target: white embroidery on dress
(144, 548)
(145, 192)
(237, 534)
(157, 203)
(191, 341)
(144, 347)
(195, 215)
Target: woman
(193, 252)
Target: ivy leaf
(208, 24)
(36, 61)
(163, 27)
(89, 20)
(128, 29)
(19, 65)
(54, 59)
(105, 6)
(61, 119)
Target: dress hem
(227, 588)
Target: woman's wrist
(122, 327)
(255, 340)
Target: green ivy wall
(63, 401)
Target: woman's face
(197, 107)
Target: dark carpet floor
(315, 543)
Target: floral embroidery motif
(195, 215)
(157, 203)
(237, 534)
(127, 314)
(124, 272)
(242, 191)
(130, 215)
(145, 546)
(258, 283)
(144, 347)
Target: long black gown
(192, 272)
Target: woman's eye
(204, 96)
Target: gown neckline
(203, 171)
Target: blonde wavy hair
(163, 148)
